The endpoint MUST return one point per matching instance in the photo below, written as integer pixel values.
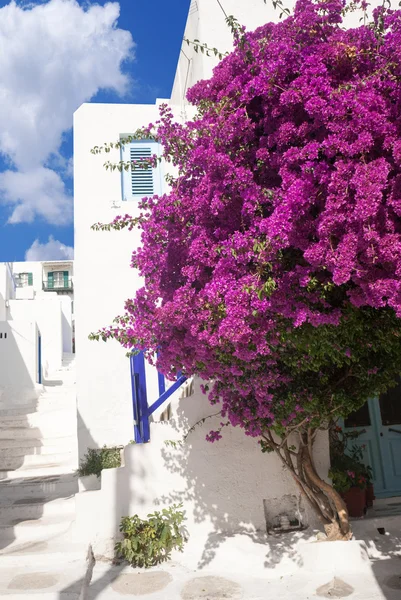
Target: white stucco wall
(66, 318)
(46, 312)
(3, 290)
(103, 277)
(7, 289)
(18, 362)
(222, 486)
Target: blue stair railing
(142, 411)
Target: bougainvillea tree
(272, 267)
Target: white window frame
(126, 176)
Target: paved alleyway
(38, 460)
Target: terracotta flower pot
(370, 495)
(355, 499)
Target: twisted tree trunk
(324, 500)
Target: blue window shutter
(50, 281)
(30, 279)
(65, 273)
(140, 182)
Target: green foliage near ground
(97, 459)
(148, 542)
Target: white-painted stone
(57, 486)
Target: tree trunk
(326, 503)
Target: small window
(58, 280)
(23, 279)
(142, 181)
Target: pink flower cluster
(286, 210)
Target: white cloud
(53, 57)
(52, 250)
(36, 192)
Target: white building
(225, 487)
(37, 325)
(49, 279)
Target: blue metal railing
(142, 411)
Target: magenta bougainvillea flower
(273, 265)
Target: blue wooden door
(379, 422)
(364, 421)
(388, 409)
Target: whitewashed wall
(231, 478)
(221, 485)
(66, 327)
(7, 289)
(18, 362)
(103, 277)
(34, 267)
(46, 312)
(3, 290)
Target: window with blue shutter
(23, 279)
(50, 281)
(141, 181)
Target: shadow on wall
(225, 483)
(18, 363)
(16, 450)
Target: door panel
(395, 451)
(364, 420)
(389, 411)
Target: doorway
(379, 421)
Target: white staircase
(38, 461)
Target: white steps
(16, 439)
(60, 486)
(28, 509)
(50, 465)
(38, 457)
(56, 551)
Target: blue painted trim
(141, 410)
(167, 394)
(39, 358)
(139, 398)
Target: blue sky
(54, 55)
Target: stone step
(47, 402)
(27, 454)
(56, 551)
(26, 509)
(39, 442)
(66, 465)
(40, 529)
(28, 461)
(37, 487)
(42, 425)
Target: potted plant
(351, 484)
(364, 471)
(350, 477)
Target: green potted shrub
(351, 484)
(351, 478)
